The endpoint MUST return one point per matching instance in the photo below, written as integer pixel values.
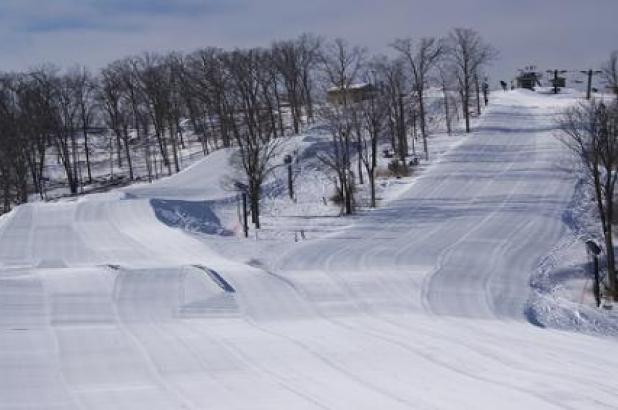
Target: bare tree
(341, 66)
(117, 111)
(211, 81)
(448, 83)
(309, 47)
(255, 130)
(137, 106)
(84, 93)
(610, 72)
(270, 80)
(151, 72)
(173, 66)
(63, 105)
(338, 120)
(286, 58)
(14, 145)
(421, 57)
(201, 97)
(190, 89)
(590, 130)
(36, 118)
(467, 52)
(294, 60)
(373, 113)
(393, 86)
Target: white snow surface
(423, 303)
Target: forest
(134, 117)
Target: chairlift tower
(590, 73)
(557, 81)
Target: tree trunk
(374, 164)
(466, 105)
(6, 190)
(87, 150)
(609, 239)
(254, 196)
(447, 113)
(611, 263)
(127, 152)
(359, 153)
(119, 152)
(604, 214)
(478, 95)
(403, 140)
(163, 150)
(174, 147)
(308, 98)
(421, 107)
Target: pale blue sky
(563, 33)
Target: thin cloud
(29, 16)
(94, 32)
(189, 8)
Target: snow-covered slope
(474, 226)
(419, 304)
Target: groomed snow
(423, 303)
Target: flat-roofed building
(351, 94)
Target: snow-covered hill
(145, 298)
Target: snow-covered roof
(355, 86)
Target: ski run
(148, 297)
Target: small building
(528, 79)
(353, 93)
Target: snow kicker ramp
(104, 307)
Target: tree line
(244, 98)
